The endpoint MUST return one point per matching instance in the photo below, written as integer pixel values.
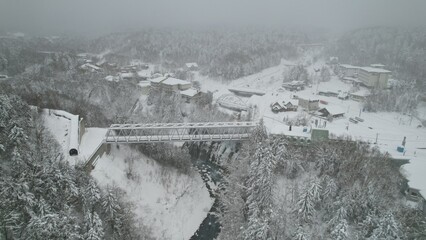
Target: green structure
(319, 135)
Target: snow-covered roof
(334, 110)
(144, 83)
(294, 83)
(157, 80)
(293, 102)
(126, 75)
(246, 90)
(189, 92)
(375, 70)
(88, 65)
(174, 81)
(144, 73)
(362, 93)
(111, 78)
(157, 75)
(377, 65)
(343, 94)
(349, 66)
(190, 65)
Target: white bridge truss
(179, 132)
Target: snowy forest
(278, 189)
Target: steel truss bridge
(179, 132)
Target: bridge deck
(178, 132)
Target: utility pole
(377, 136)
(360, 112)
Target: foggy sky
(103, 16)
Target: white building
(349, 70)
(170, 83)
(374, 77)
(191, 66)
(90, 67)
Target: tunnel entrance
(73, 152)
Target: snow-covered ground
(173, 205)
(388, 127)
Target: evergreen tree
(340, 231)
(388, 228)
(305, 205)
(300, 234)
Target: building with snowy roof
(331, 112)
(191, 66)
(377, 65)
(349, 70)
(175, 84)
(189, 94)
(360, 95)
(90, 67)
(374, 77)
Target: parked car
(352, 120)
(359, 119)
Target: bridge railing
(166, 132)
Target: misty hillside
(227, 54)
(402, 50)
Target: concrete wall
(92, 160)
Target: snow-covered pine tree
(388, 228)
(315, 189)
(300, 234)
(260, 192)
(305, 205)
(340, 231)
(94, 228)
(110, 208)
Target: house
(283, 107)
(143, 75)
(377, 65)
(343, 96)
(126, 76)
(331, 112)
(191, 66)
(277, 107)
(175, 84)
(90, 67)
(190, 94)
(156, 82)
(290, 106)
(309, 105)
(347, 70)
(294, 85)
(359, 95)
(328, 93)
(374, 77)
